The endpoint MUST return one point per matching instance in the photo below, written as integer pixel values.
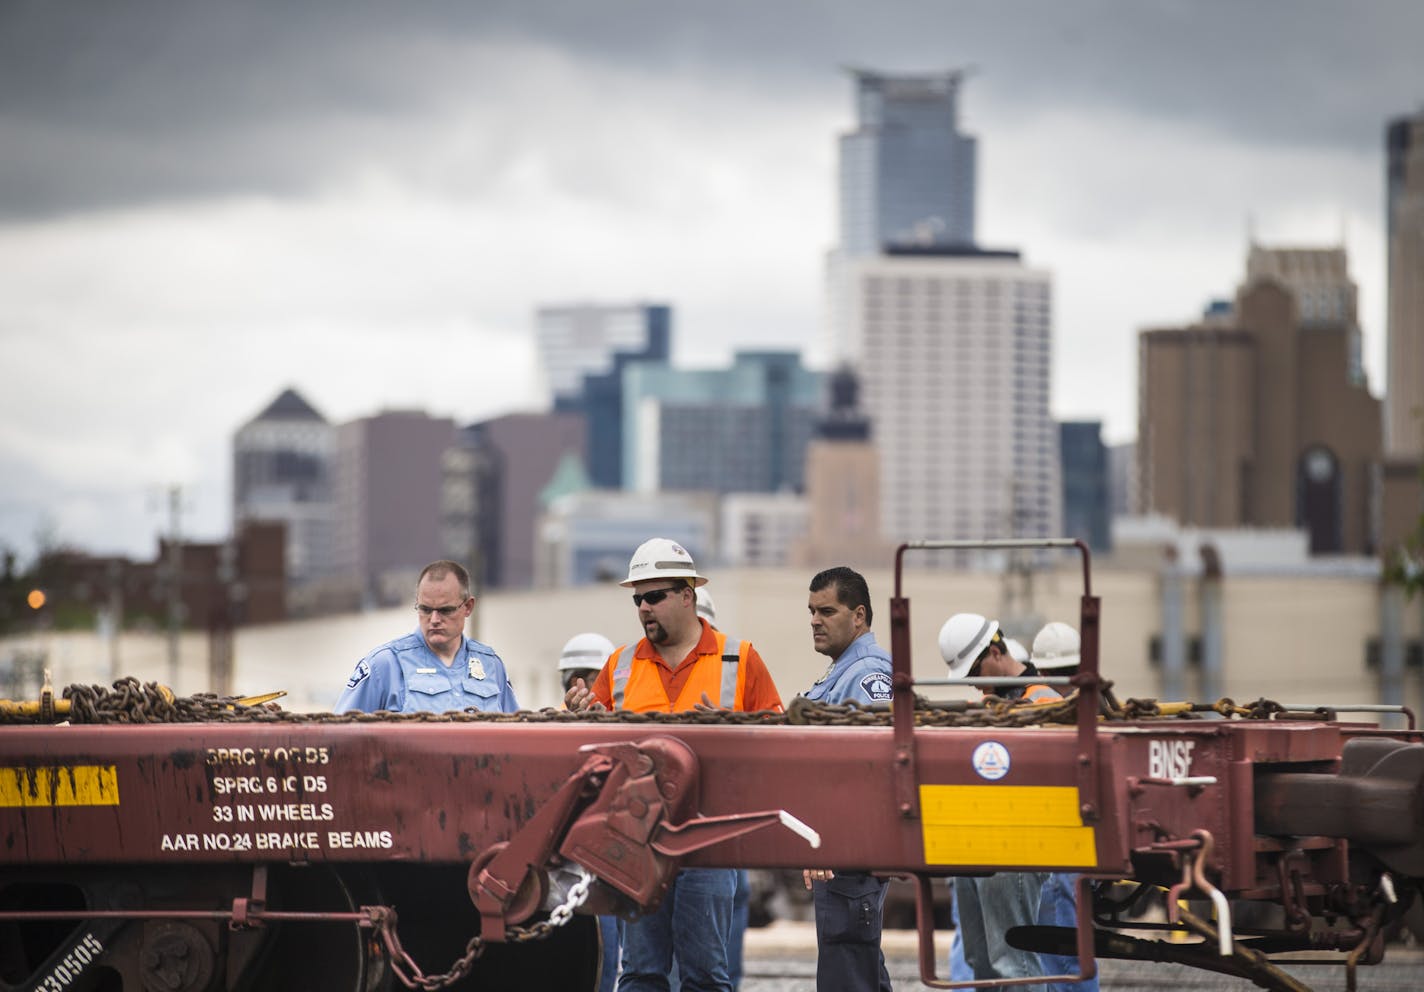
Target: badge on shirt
(476, 669)
(361, 674)
(876, 685)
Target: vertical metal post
(1173, 637)
(1212, 624)
(175, 583)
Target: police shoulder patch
(361, 674)
(876, 685)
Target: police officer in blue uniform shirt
(848, 904)
(436, 668)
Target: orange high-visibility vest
(637, 687)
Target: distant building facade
(907, 173)
(1262, 419)
(282, 469)
(759, 530)
(583, 350)
(1404, 191)
(587, 536)
(1087, 484)
(740, 429)
(842, 487)
(493, 476)
(953, 349)
(389, 473)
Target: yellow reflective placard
(63, 785)
(1004, 825)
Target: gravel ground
(782, 958)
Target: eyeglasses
(654, 596)
(444, 611)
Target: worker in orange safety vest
(681, 663)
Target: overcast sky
(202, 203)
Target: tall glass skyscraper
(907, 173)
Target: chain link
(130, 701)
(403, 966)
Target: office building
(1262, 419)
(907, 173)
(759, 530)
(389, 475)
(1404, 225)
(1087, 487)
(587, 535)
(493, 477)
(583, 350)
(953, 349)
(738, 429)
(842, 487)
(282, 472)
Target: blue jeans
(1058, 907)
(959, 970)
(608, 939)
(691, 925)
(988, 907)
(741, 912)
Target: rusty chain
(403, 966)
(132, 701)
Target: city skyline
(370, 205)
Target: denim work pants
(692, 926)
(988, 907)
(1058, 907)
(848, 925)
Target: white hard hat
(962, 639)
(585, 651)
(706, 609)
(660, 558)
(1056, 646)
(1016, 650)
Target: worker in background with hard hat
(848, 904)
(1056, 651)
(582, 657)
(681, 663)
(974, 646)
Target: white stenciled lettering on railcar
(1169, 759)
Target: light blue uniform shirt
(861, 674)
(405, 676)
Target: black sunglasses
(654, 596)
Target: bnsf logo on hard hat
(676, 549)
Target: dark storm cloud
(108, 104)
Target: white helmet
(660, 558)
(962, 639)
(585, 651)
(1016, 650)
(706, 609)
(1056, 646)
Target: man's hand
(706, 705)
(580, 699)
(809, 875)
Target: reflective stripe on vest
(1041, 694)
(731, 657)
(621, 671)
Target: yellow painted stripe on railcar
(64, 785)
(1008, 825)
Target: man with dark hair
(848, 904)
(435, 668)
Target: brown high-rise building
(1259, 416)
(1404, 209)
